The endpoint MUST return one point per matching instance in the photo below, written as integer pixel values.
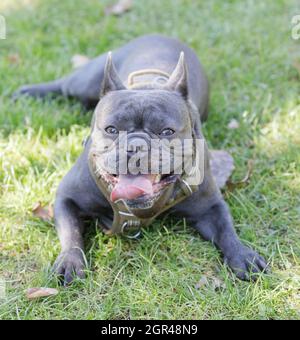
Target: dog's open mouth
(137, 190)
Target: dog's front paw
(69, 265)
(246, 263)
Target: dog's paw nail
(70, 265)
(247, 264)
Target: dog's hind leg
(40, 90)
(83, 84)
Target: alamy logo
(2, 27)
(2, 289)
(142, 155)
(296, 27)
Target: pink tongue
(131, 187)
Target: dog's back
(148, 53)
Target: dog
(155, 88)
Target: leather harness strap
(160, 78)
(124, 220)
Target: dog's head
(138, 139)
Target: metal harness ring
(129, 224)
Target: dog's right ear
(111, 80)
(179, 78)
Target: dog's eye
(167, 132)
(112, 130)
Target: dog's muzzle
(126, 219)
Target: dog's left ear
(179, 78)
(111, 80)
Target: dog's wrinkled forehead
(165, 107)
(142, 109)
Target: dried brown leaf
(44, 213)
(245, 181)
(203, 282)
(119, 8)
(14, 59)
(210, 282)
(217, 284)
(36, 293)
(222, 166)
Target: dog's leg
(40, 90)
(71, 261)
(83, 84)
(216, 226)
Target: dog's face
(135, 133)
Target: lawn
(252, 63)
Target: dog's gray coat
(78, 196)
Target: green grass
(248, 52)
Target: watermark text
(2, 289)
(2, 27)
(296, 27)
(142, 155)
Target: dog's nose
(138, 143)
